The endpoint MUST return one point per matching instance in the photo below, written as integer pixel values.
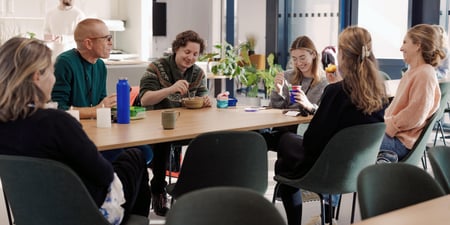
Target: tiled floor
(309, 209)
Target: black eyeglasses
(107, 37)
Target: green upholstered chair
(223, 158)
(417, 152)
(42, 191)
(443, 108)
(346, 154)
(223, 206)
(390, 186)
(440, 163)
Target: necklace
(309, 86)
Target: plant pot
(259, 61)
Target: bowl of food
(193, 103)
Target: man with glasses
(81, 74)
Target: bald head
(89, 28)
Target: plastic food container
(232, 102)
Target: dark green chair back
(223, 158)
(346, 154)
(443, 108)
(42, 191)
(440, 163)
(223, 206)
(417, 151)
(390, 186)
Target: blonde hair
(20, 59)
(358, 66)
(305, 43)
(430, 42)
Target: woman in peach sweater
(417, 96)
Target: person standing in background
(59, 26)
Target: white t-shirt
(62, 22)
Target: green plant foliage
(235, 63)
(229, 64)
(253, 77)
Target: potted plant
(250, 44)
(235, 63)
(253, 77)
(230, 63)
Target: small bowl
(222, 103)
(193, 103)
(232, 101)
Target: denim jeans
(391, 150)
(334, 199)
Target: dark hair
(328, 56)
(187, 36)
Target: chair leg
(275, 192)
(424, 160)
(338, 208)
(352, 219)
(171, 155)
(441, 129)
(322, 209)
(438, 124)
(8, 209)
(330, 212)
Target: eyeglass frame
(107, 37)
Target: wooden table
(435, 211)
(190, 124)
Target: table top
(190, 124)
(435, 211)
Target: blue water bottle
(123, 101)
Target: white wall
(21, 16)
(387, 25)
(137, 36)
(185, 15)
(251, 20)
(323, 30)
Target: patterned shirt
(163, 73)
